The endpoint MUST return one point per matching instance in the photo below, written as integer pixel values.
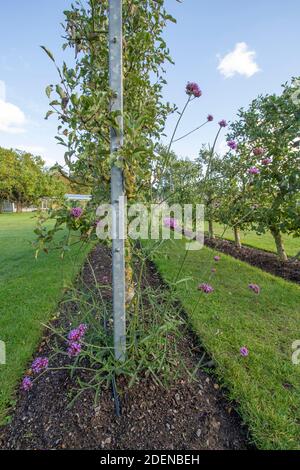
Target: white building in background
(78, 197)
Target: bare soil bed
(289, 270)
(189, 415)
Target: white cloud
(12, 118)
(240, 61)
(2, 90)
(222, 148)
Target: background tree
(265, 134)
(210, 188)
(24, 179)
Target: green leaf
(48, 90)
(49, 114)
(49, 53)
(60, 91)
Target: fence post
(117, 182)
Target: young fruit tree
(110, 136)
(266, 134)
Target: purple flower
(39, 364)
(223, 123)
(26, 384)
(77, 334)
(74, 349)
(193, 89)
(210, 117)
(255, 288)
(213, 270)
(232, 144)
(266, 161)
(244, 351)
(206, 288)
(217, 258)
(170, 222)
(258, 151)
(76, 212)
(254, 170)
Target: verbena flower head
(244, 351)
(170, 222)
(258, 151)
(76, 212)
(39, 364)
(206, 288)
(232, 144)
(255, 288)
(217, 258)
(266, 161)
(210, 117)
(223, 123)
(74, 349)
(193, 89)
(77, 334)
(26, 384)
(213, 270)
(254, 170)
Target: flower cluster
(170, 222)
(258, 151)
(266, 161)
(74, 349)
(255, 288)
(26, 383)
(206, 288)
(222, 123)
(254, 170)
(232, 144)
(193, 89)
(210, 118)
(217, 258)
(74, 340)
(76, 212)
(244, 351)
(40, 364)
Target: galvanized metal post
(117, 183)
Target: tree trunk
(211, 229)
(279, 245)
(237, 237)
(19, 207)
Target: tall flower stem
(191, 132)
(167, 159)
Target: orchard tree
(210, 171)
(236, 208)
(266, 133)
(178, 181)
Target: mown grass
(30, 290)
(263, 242)
(265, 384)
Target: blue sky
(261, 37)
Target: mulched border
(267, 261)
(186, 416)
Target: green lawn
(29, 292)
(265, 384)
(264, 242)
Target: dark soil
(189, 415)
(289, 270)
